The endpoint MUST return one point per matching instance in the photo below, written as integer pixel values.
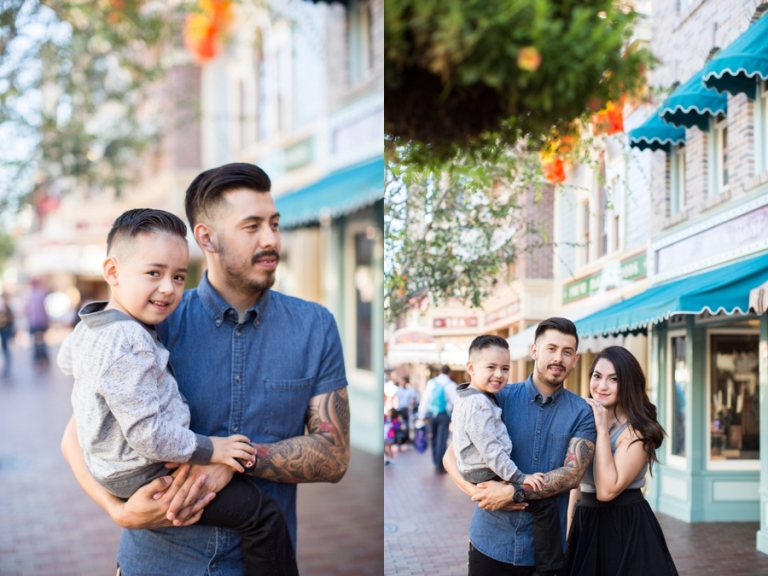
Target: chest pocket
(286, 403)
(558, 449)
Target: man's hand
(497, 496)
(207, 479)
(148, 506)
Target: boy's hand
(232, 451)
(535, 481)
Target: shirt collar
(217, 307)
(534, 394)
(94, 315)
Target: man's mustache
(266, 254)
(555, 364)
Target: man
(407, 398)
(249, 361)
(437, 404)
(552, 431)
(37, 319)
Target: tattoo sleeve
(563, 479)
(321, 455)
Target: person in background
(37, 319)
(437, 404)
(7, 330)
(405, 398)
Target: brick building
(707, 249)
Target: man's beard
(235, 275)
(553, 381)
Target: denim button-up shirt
(540, 430)
(253, 377)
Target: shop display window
(734, 403)
(680, 382)
(364, 294)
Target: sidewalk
(49, 526)
(426, 523)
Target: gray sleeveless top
(588, 481)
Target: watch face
(519, 496)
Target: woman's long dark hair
(633, 399)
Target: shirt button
(237, 378)
(519, 532)
(536, 459)
(538, 431)
(236, 428)
(239, 333)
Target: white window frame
(761, 127)
(360, 40)
(723, 464)
(717, 125)
(676, 179)
(674, 460)
(361, 379)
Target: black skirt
(617, 538)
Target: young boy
(483, 448)
(131, 417)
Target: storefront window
(364, 293)
(680, 380)
(734, 399)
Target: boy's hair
(487, 341)
(144, 220)
(208, 188)
(562, 325)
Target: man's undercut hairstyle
(208, 189)
(562, 325)
(487, 341)
(144, 220)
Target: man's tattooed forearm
(559, 480)
(321, 455)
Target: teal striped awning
(655, 134)
(739, 67)
(693, 104)
(725, 290)
(340, 193)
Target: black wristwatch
(519, 493)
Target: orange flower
(203, 29)
(554, 170)
(528, 58)
(610, 120)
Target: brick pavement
(49, 526)
(426, 520)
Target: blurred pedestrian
(437, 404)
(389, 437)
(37, 319)
(7, 331)
(405, 401)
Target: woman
(612, 531)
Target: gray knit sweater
(480, 439)
(129, 411)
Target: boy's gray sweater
(129, 411)
(480, 439)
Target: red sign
(455, 322)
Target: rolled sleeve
(586, 425)
(331, 374)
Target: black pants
(267, 546)
(547, 545)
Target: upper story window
(677, 179)
(761, 128)
(585, 224)
(602, 216)
(360, 43)
(718, 155)
(617, 197)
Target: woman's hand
(602, 415)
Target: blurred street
(49, 526)
(426, 523)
